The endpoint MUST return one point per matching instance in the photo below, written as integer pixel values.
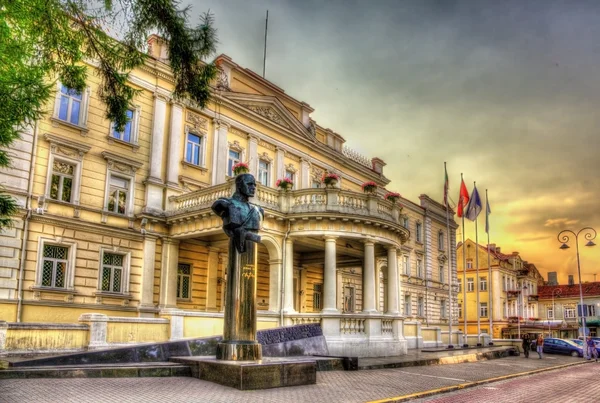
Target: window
(420, 268)
(406, 264)
(504, 310)
(483, 309)
(234, 158)
(129, 134)
(569, 313)
(460, 313)
(54, 266)
(112, 272)
(118, 195)
(184, 272)
(348, 299)
(503, 283)
(290, 174)
(407, 306)
(443, 309)
(61, 184)
(470, 284)
(193, 149)
(70, 106)
(482, 283)
(318, 297)
(315, 184)
(263, 172)
(440, 240)
(420, 307)
(588, 310)
(469, 265)
(405, 222)
(419, 232)
(460, 286)
(442, 270)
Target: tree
(42, 41)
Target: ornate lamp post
(588, 233)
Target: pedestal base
(247, 375)
(239, 351)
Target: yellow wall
(125, 332)
(46, 339)
(46, 314)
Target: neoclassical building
(513, 284)
(119, 223)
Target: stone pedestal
(251, 375)
(239, 330)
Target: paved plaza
(331, 387)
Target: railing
(357, 157)
(304, 320)
(349, 326)
(387, 327)
(318, 200)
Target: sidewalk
(393, 384)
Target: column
(275, 296)
(305, 182)
(392, 284)
(253, 155)
(220, 152)
(176, 131)
(369, 278)
(288, 293)
(147, 297)
(158, 138)
(168, 273)
(279, 163)
(329, 274)
(212, 283)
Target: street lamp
(588, 233)
(520, 309)
(557, 292)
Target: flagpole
(487, 229)
(477, 308)
(450, 345)
(466, 334)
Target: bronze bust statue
(241, 219)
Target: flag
(445, 186)
(488, 211)
(474, 207)
(463, 198)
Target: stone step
(162, 369)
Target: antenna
(265, 52)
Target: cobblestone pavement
(572, 385)
(331, 387)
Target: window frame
(483, 285)
(124, 168)
(483, 309)
(441, 240)
(407, 305)
(419, 232)
(70, 267)
(232, 161)
(570, 312)
(83, 108)
(134, 128)
(470, 284)
(317, 296)
(125, 274)
(201, 148)
(441, 274)
(420, 271)
(69, 152)
(421, 307)
(180, 277)
(443, 309)
(266, 172)
(406, 264)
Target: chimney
(497, 249)
(571, 282)
(492, 247)
(378, 165)
(158, 47)
(515, 253)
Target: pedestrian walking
(526, 345)
(540, 345)
(591, 349)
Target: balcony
(322, 203)
(532, 298)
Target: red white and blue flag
(463, 199)
(474, 207)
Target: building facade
(512, 282)
(119, 223)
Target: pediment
(271, 109)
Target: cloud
(559, 222)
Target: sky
(506, 93)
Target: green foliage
(45, 40)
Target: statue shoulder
(221, 205)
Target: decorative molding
(68, 148)
(235, 146)
(238, 132)
(317, 173)
(197, 121)
(293, 157)
(356, 157)
(265, 157)
(266, 145)
(268, 113)
(222, 80)
(120, 163)
(290, 167)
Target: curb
(460, 386)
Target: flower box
(392, 196)
(369, 187)
(330, 179)
(240, 168)
(285, 183)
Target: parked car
(562, 346)
(579, 342)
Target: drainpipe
(282, 295)
(26, 223)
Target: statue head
(245, 185)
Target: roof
(565, 291)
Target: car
(579, 342)
(562, 346)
